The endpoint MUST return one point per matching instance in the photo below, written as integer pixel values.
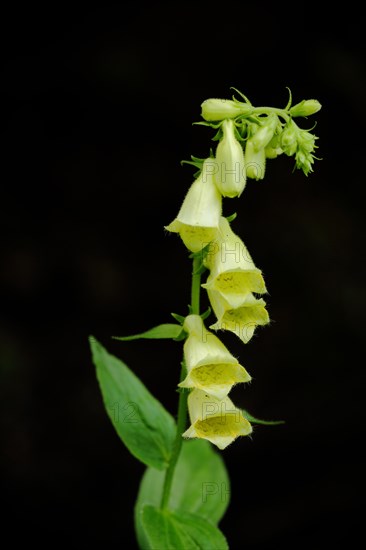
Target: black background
(97, 112)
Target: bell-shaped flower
(216, 420)
(230, 175)
(232, 270)
(198, 219)
(210, 366)
(241, 320)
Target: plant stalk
(182, 403)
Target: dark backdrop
(97, 112)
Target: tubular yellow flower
(218, 421)
(230, 176)
(198, 218)
(241, 320)
(210, 366)
(232, 270)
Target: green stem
(196, 284)
(268, 110)
(182, 404)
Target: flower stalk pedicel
(169, 513)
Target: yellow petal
(199, 216)
(241, 320)
(210, 365)
(218, 421)
(232, 270)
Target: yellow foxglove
(198, 218)
(210, 366)
(241, 320)
(232, 270)
(216, 420)
(230, 176)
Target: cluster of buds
(300, 143)
(263, 135)
(247, 137)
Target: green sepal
(206, 314)
(140, 420)
(201, 254)
(289, 103)
(205, 123)
(179, 318)
(217, 136)
(196, 164)
(181, 336)
(165, 529)
(166, 330)
(241, 94)
(202, 268)
(242, 128)
(232, 217)
(254, 420)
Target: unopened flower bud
(219, 109)
(255, 161)
(272, 153)
(230, 176)
(289, 138)
(306, 107)
(265, 133)
(273, 149)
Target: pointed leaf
(165, 529)
(201, 485)
(145, 427)
(167, 330)
(258, 421)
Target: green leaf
(258, 421)
(167, 330)
(145, 427)
(201, 485)
(167, 530)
